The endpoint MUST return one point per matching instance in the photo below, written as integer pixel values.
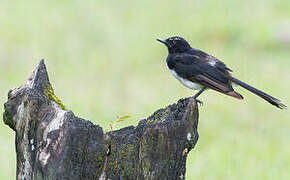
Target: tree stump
(52, 143)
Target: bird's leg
(197, 94)
(192, 99)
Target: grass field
(103, 61)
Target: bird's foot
(199, 102)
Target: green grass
(103, 61)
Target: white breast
(186, 82)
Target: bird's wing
(203, 56)
(198, 69)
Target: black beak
(163, 41)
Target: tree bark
(52, 143)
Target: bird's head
(176, 44)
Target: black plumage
(199, 70)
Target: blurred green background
(103, 61)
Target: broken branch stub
(52, 143)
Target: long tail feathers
(267, 97)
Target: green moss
(159, 116)
(123, 161)
(38, 175)
(49, 93)
(100, 158)
(50, 172)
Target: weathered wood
(52, 143)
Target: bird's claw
(199, 102)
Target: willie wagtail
(198, 70)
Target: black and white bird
(198, 70)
